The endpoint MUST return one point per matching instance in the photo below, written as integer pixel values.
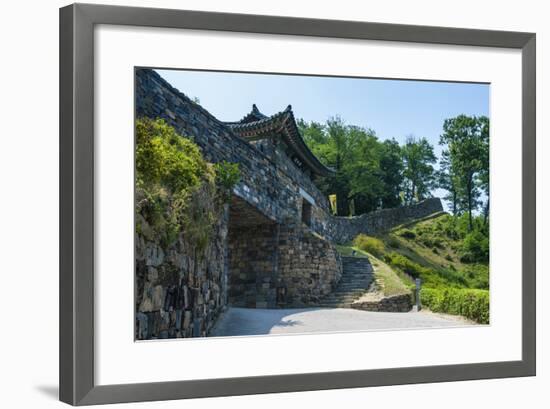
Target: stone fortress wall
(263, 255)
(344, 229)
(266, 183)
(177, 295)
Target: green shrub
(227, 176)
(437, 242)
(176, 189)
(475, 248)
(165, 158)
(469, 303)
(406, 265)
(430, 241)
(369, 244)
(408, 234)
(393, 242)
(426, 241)
(478, 276)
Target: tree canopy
(465, 163)
(370, 173)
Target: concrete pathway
(249, 321)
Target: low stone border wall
(394, 303)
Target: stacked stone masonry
(178, 294)
(394, 303)
(345, 229)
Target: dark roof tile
(256, 125)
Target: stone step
(335, 305)
(356, 275)
(361, 289)
(354, 282)
(358, 281)
(354, 272)
(348, 298)
(345, 294)
(358, 268)
(352, 258)
(352, 287)
(355, 263)
(358, 265)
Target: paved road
(249, 321)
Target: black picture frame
(77, 386)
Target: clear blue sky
(392, 108)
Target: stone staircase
(357, 276)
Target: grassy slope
(426, 253)
(428, 248)
(425, 242)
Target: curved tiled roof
(256, 125)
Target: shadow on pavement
(250, 321)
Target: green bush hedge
(472, 304)
(369, 244)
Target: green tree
(335, 147)
(363, 170)
(312, 132)
(447, 180)
(418, 159)
(391, 173)
(483, 177)
(369, 173)
(467, 142)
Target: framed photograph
(257, 204)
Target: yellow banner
(332, 200)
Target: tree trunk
(469, 188)
(454, 202)
(486, 212)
